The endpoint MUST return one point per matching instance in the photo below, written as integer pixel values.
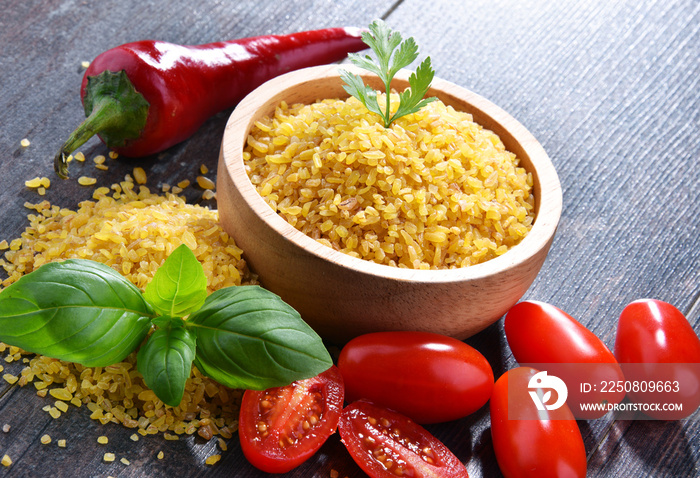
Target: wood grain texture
(608, 88)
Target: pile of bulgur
(133, 230)
(434, 190)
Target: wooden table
(610, 89)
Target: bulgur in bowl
(377, 243)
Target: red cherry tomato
(660, 355)
(386, 444)
(529, 442)
(280, 428)
(545, 337)
(428, 377)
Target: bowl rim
(538, 238)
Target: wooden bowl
(341, 296)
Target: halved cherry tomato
(545, 337)
(280, 428)
(386, 444)
(660, 355)
(529, 442)
(428, 377)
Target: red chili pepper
(143, 97)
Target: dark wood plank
(609, 89)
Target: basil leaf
(179, 286)
(76, 310)
(165, 360)
(247, 337)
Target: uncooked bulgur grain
(205, 183)
(33, 183)
(140, 175)
(435, 190)
(86, 181)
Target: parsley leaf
(384, 43)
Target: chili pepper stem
(114, 109)
(92, 125)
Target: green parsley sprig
(393, 53)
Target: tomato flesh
(387, 444)
(660, 352)
(280, 428)
(545, 337)
(529, 442)
(428, 377)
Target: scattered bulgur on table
(133, 230)
(434, 190)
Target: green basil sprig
(83, 311)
